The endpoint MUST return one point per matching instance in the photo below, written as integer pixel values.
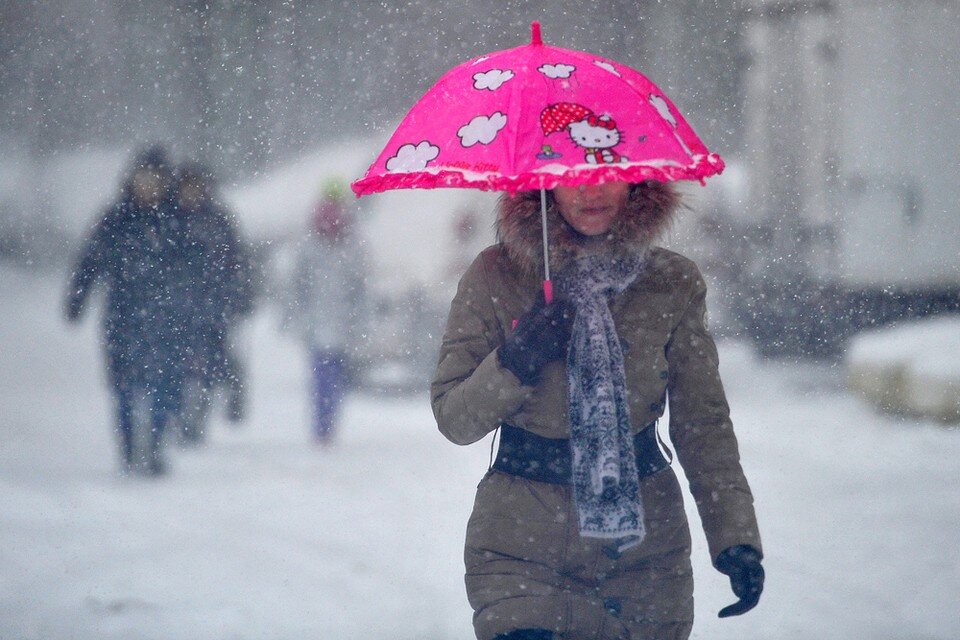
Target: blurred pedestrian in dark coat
(217, 288)
(134, 251)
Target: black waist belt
(524, 453)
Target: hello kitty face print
(596, 134)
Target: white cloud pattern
(482, 129)
(661, 106)
(491, 80)
(606, 65)
(557, 70)
(412, 158)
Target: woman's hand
(539, 337)
(742, 564)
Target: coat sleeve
(230, 272)
(92, 261)
(702, 432)
(471, 393)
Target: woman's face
(592, 209)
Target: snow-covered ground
(261, 535)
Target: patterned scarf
(605, 480)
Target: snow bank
(409, 234)
(66, 192)
(911, 368)
(45, 207)
(279, 201)
(78, 186)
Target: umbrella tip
(535, 33)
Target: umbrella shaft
(547, 284)
(543, 221)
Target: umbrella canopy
(537, 117)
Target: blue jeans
(152, 408)
(329, 388)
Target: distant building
(851, 141)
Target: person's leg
(234, 376)
(203, 409)
(119, 378)
(125, 426)
(523, 573)
(166, 401)
(524, 596)
(328, 389)
(650, 587)
(338, 389)
(655, 601)
(155, 464)
(194, 408)
(319, 391)
(141, 411)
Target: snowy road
(262, 536)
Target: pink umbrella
(537, 117)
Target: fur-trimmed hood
(648, 212)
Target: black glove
(742, 564)
(540, 336)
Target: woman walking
(578, 530)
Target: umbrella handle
(547, 295)
(547, 282)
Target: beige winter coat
(527, 565)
